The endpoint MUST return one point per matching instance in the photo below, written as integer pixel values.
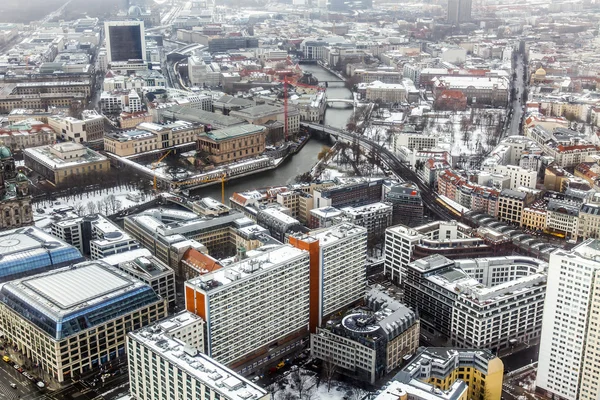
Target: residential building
(118, 101)
(589, 221)
(367, 344)
(63, 163)
(519, 177)
(244, 294)
(491, 303)
(375, 217)
(66, 320)
(337, 268)
(15, 200)
(413, 141)
(125, 40)
(562, 218)
(407, 204)
(28, 251)
(155, 273)
(324, 217)
(569, 334)
(232, 144)
(169, 346)
(441, 373)
(511, 204)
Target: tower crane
(155, 165)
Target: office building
(452, 239)
(15, 200)
(367, 344)
(266, 293)
(492, 303)
(44, 94)
(66, 320)
(262, 114)
(570, 336)
(125, 40)
(324, 217)
(337, 268)
(28, 251)
(441, 373)
(459, 11)
(65, 163)
(355, 193)
(278, 222)
(232, 144)
(167, 350)
(153, 272)
(222, 44)
(94, 235)
(407, 204)
(88, 129)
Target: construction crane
(222, 178)
(155, 165)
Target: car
(16, 366)
(255, 379)
(13, 385)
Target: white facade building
(260, 301)
(164, 364)
(567, 368)
(519, 177)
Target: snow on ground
(340, 165)
(315, 390)
(122, 201)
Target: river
(299, 163)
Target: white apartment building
(519, 177)
(399, 243)
(66, 320)
(568, 366)
(119, 101)
(164, 364)
(338, 258)
(257, 302)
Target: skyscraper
(459, 11)
(570, 358)
(125, 41)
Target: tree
(358, 393)
(329, 371)
(91, 207)
(323, 153)
(79, 209)
(302, 383)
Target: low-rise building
(261, 114)
(65, 162)
(367, 344)
(385, 92)
(478, 90)
(66, 321)
(26, 133)
(407, 204)
(153, 272)
(278, 223)
(441, 373)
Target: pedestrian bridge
(346, 101)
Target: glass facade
(82, 319)
(35, 261)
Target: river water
(299, 163)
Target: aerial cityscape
(299, 200)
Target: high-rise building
(408, 206)
(570, 340)
(337, 268)
(125, 41)
(166, 347)
(255, 309)
(459, 11)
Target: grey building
(278, 223)
(407, 204)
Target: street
(25, 389)
(517, 104)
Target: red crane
(285, 107)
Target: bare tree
(329, 371)
(303, 384)
(358, 393)
(111, 202)
(91, 207)
(79, 209)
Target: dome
(21, 177)
(134, 11)
(5, 152)
(540, 71)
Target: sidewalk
(29, 366)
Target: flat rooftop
(199, 366)
(233, 132)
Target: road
(517, 104)
(392, 161)
(25, 388)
